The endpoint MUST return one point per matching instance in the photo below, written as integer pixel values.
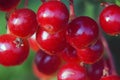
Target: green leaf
(118, 2)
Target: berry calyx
(52, 16)
(12, 51)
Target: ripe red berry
(39, 74)
(51, 43)
(92, 53)
(111, 77)
(72, 72)
(82, 32)
(110, 20)
(8, 5)
(47, 64)
(95, 71)
(69, 54)
(13, 51)
(53, 16)
(22, 23)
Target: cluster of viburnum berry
(73, 48)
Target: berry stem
(109, 54)
(26, 4)
(104, 4)
(106, 69)
(72, 11)
(7, 16)
(43, 1)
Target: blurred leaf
(2, 23)
(118, 2)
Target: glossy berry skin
(110, 20)
(69, 54)
(82, 31)
(72, 71)
(111, 77)
(92, 53)
(52, 16)
(95, 71)
(51, 43)
(47, 64)
(8, 5)
(33, 43)
(23, 23)
(12, 52)
(39, 74)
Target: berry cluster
(70, 47)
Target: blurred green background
(89, 8)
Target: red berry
(51, 43)
(111, 77)
(72, 72)
(53, 16)
(92, 53)
(95, 71)
(47, 64)
(8, 5)
(110, 20)
(82, 32)
(33, 43)
(39, 74)
(69, 54)
(23, 23)
(12, 50)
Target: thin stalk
(43, 1)
(109, 54)
(26, 4)
(72, 11)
